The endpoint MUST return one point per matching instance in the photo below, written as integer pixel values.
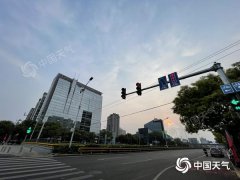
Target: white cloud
(190, 52)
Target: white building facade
(69, 100)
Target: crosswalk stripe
(21, 162)
(28, 167)
(82, 177)
(28, 164)
(27, 171)
(26, 158)
(36, 174)
(17, 160)
(60, 175)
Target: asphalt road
(146, 166)
(129, 166)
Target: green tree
(6, 128)
(219, 138)
(51, 130)
(84, 136)
(203, 106)
(102, 134)
(156, 138)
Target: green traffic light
(237, 107)
(234, 102)
(29, 130)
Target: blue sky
(119, 43)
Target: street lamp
(34, 129)
(75, 122)
(165, 136)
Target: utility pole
(216, 68)
(40, 132)
(80, 104)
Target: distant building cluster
(156, 125)
(67, 101)
(193, 141)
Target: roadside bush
(65, 149)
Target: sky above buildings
(119, 43)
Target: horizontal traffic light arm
(215, 67)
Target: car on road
(216, 152)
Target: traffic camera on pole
(123, 93)
(139, 88)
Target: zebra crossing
(38, 168)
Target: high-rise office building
(113, 121)
(30, 114)
(69, 100)
(33, 113)
(156, 125)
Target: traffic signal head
(139, 88)
(123, 93)
(236, 104)
(29, 130)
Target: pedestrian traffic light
(139, 88)
(123, 93)
(236, 104)
(29, 130)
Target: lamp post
(33, 129)
(165, 137)
(75, 122)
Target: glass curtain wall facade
(155, 125)
(67, 100)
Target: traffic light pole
(216, 67)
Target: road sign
(227, 89)
(236, 86)
(163, 84)
(173, 79)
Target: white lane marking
(37, 174)
(27, 171)
(164, 170)
(102, 159)
(21, 162)
(28, 164)
(27, 160)
(82, 177)
(60, 175)
(137, 161)
(29, 167)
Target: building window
(86, 121)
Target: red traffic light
(123, 93)
(139, 88)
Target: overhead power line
(217, 60)
(148, 109)
(211, 55)
(115, 103)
